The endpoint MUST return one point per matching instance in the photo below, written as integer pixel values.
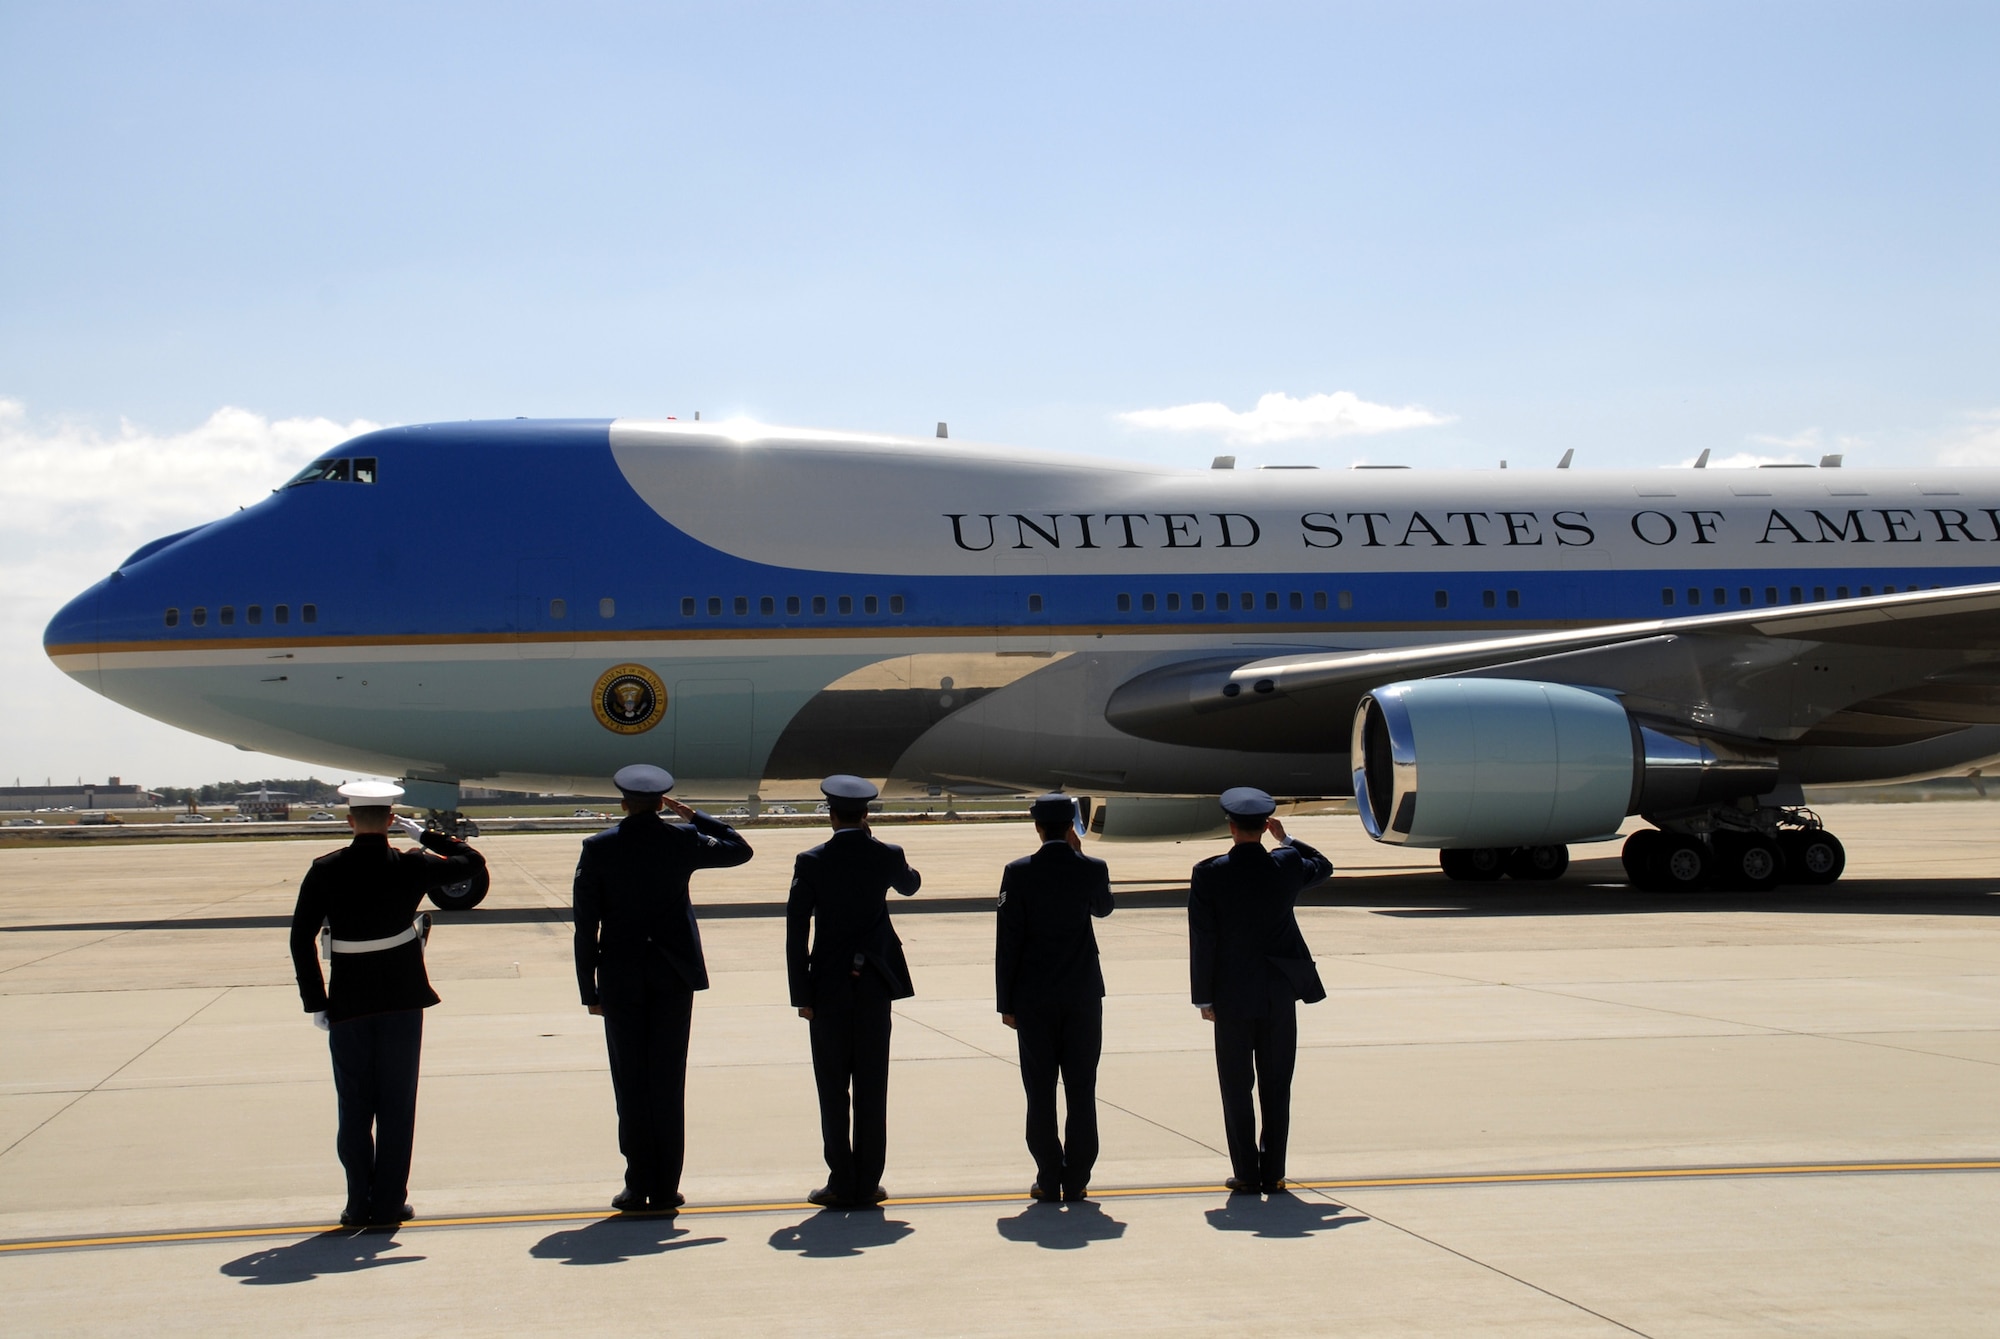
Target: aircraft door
(544, 608)
(713, 719)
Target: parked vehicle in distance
(588, 813)
(322, 817)
(192, 818)
(26, 823)
(780, 810)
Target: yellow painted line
(1017, 1197)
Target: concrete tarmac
(1527, 1109)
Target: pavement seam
(133, 1060)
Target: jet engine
(1474, 762)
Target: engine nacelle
(1511, 762)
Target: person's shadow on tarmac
(342, 1251)
(1061, 1227)
(833, 1233)
(1280, 1215)
(613, 1241)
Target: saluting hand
(1275, 828)
(678, 809)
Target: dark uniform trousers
(375, 1060)
(646, 1038)
(1260, 1052)
(850, 1054)
(1061, 1040)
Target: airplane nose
(71, 638)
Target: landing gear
(1484, 864)
(1743, 850)
(466, 893)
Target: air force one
(1493, 663)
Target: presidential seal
(629, 699)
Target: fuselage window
(1270, 599)
(364, 469)
(715, 606)
(309, 613)
(1888, 590)
(173, 618)
(312, 473)
(1721, 595)
(1197, 601)
(872, 604)
(1694, 595)
(200, 616)
(1667, 595)
(1867, 590)
(254, 615)
(1797, 595)
(687, 606)
(819, 604)
(1770, 595)
(1146, 603)
(895, 604)
(1249, 601)
(1840, 592)
(847, 604)
(1513, 599)
(767, 605)
(558, 608)
(606, 607)
(282, 614)
(228, 615)
(1222, 600)
(1173, 602)
(1347, 599)
(1319, 599)
(1489, 599)
(1745, 596)
(336, 472)
(1124, 604)
(1298, 600)
(791, 604)
(1442, 599)
(742, 604)
(1819, 592)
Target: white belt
(373, 945)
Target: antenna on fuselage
(942, 432)
(1701, 461)
(1831, 462)
(1223, 463)
(1568, 456)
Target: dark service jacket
(371, 890)
(840, 889)
(1046, 954)
(1243, 935)
(633, 914)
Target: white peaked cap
(371, 794)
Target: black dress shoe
(1238, 1186)
(666, 1203)
(628, 1201)
(353, 1217)
(402, 1213)
(1276, 1187)
(1071, 1194)
(824, 1197)
(876, 1198)
(1035, 1192)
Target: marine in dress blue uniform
(638, 964)
(1050, 990)
(843, 984)
(1249, 967)
(367, 896)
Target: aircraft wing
(1882, 669)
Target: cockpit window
(336, 470)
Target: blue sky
(1636, 230)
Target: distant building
(114, 794)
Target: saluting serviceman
(373, 1011)
(638, 964)
(1250, 966)
(1050, 990)
(843, 985)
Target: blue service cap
(854, 789)
(1248, 803)
(1054, 807)
(642, 778)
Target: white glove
(412, 828)
(319, 1021)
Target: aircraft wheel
(1748, 862)
(1473, 864)
(1812, 857)
(463, 895)
(1536, 863)
(1684, 864)
(1641, 858)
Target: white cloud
(73, 502)
(1750, 460)
(1280, 418)
(1974, 442)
